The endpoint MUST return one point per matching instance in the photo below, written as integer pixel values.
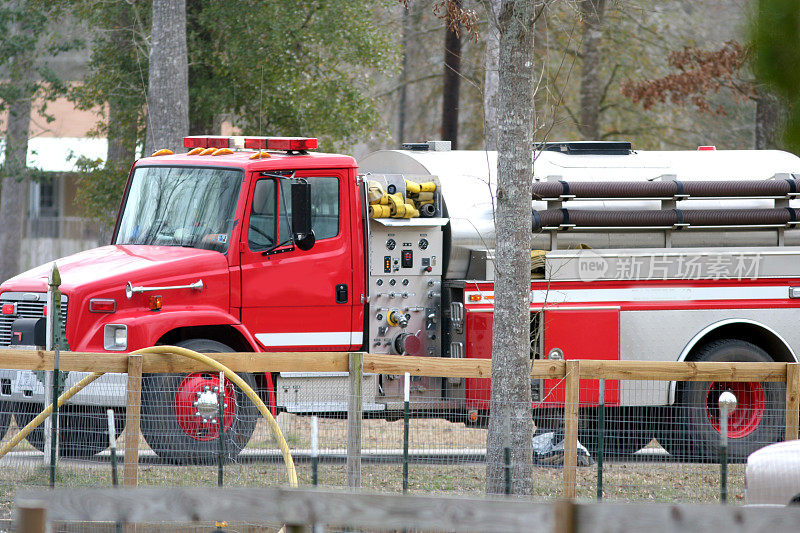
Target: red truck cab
(204, 255)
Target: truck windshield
(180, 206)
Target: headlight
(115, 337)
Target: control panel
(405, 286)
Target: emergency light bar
(292, 144)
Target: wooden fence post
(354, 419)
(571, 397)
(31, 517)
(792, 400)
(133, 410)
(564, 516)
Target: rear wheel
(691, 430)
(82, 429)
(180, 412)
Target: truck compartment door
(581, 334)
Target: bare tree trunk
(13, 194)
(401, 112)
(168, 94)
(510, 422)
(768, 121)
(452, 83)
(121, 128)
(491, 83)
(591, 88)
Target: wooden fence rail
(299, 508)
(571, 371)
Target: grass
(649, 479)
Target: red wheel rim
(200, 422)
(749, 407)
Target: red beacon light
(206, 141)
(291, 144)
(709, 148)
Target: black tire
(82, 429)
(688, 428)
(160, 423)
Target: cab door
(294, 299)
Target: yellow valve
(194, 151)
(222, 151)
(163, 151)
(412, 187)
(208, 151)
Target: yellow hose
(231, 375)
(49, 409)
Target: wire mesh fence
(646, 441)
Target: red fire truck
(259, 244)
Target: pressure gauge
(423, 244)
(390, 244)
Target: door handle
(341, 293)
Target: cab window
(261, 229)
(324, 208)
(270, 192)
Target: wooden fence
(571, 371)
(299, 508)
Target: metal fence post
(571, 397)
(354, 419)
(792, 400)
(54, 342)
(133, 411)
(601, 436)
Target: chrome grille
(29, 305)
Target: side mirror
(302, 233)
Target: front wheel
(82, 429)
(692, 428)
(180, 412)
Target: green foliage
(26, 28)
(272, 67)
(285, 67)
(776, 44)
(100, 188)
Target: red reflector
(9, 309)
(706, 148)
(44, 310)
(102, 305)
